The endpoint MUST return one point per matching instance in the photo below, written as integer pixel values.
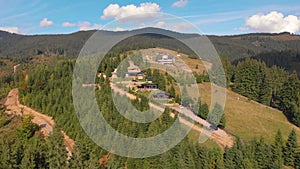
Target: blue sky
(217, 17)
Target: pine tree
(297, 161)
(203, 110)
(228, 157)
(277, 151)
(248, 78)
(265, 94)
(290, 149)
(5, 154)
(260, 153)
(229, 71)
(57, 155)
(289, 99)
(217, 117)
(28, 159)
(17, 153)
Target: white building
(165, 58)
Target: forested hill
(22, 47)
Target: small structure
(140, 75)
(146, 58)
(132, 70)
(16, 67)
(165, 58)
(162, 96)
(146, 86)
(149, 79)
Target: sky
(213, 17)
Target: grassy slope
(245, 119)
(249, 119)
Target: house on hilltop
(165, 58)
(146, 86)
(162, 95)
(132, 70)
(149, 79)
(140, 75)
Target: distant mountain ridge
(233, 47)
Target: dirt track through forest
(45, 123)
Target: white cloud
(10, 29)
(183, 26)
(274, 22)
(84, 26)
(160, 24)
(145, 11)
(180, 3)
(68, 24)
(46, 23)
(142, 25)
(243, 29)
(119, 29)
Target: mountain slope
(249, 119)
(233, 47)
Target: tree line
(272, 86)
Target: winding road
(45, 123)
(13, 106)
(220, 136)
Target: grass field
(249, 119)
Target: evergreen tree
(17, 153)
(217, 117)
(27, 128)
(265, 94)
(229, 71)
(57, 155)
(290, 149)
(203, 110)
(297, 161)
(248, 78)
(277, 151)
(228, 157)
(289, 99)
(260, 153)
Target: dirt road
(45, 123)
(219, 136)
(13, 106)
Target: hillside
(248, 119)
(47, 88)
(243, 115)
(21, 48)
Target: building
(140, 75)
(149, 79)
(146, 86)
(165, 58)
(132, 70)
(162, 95)
(147, 58)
